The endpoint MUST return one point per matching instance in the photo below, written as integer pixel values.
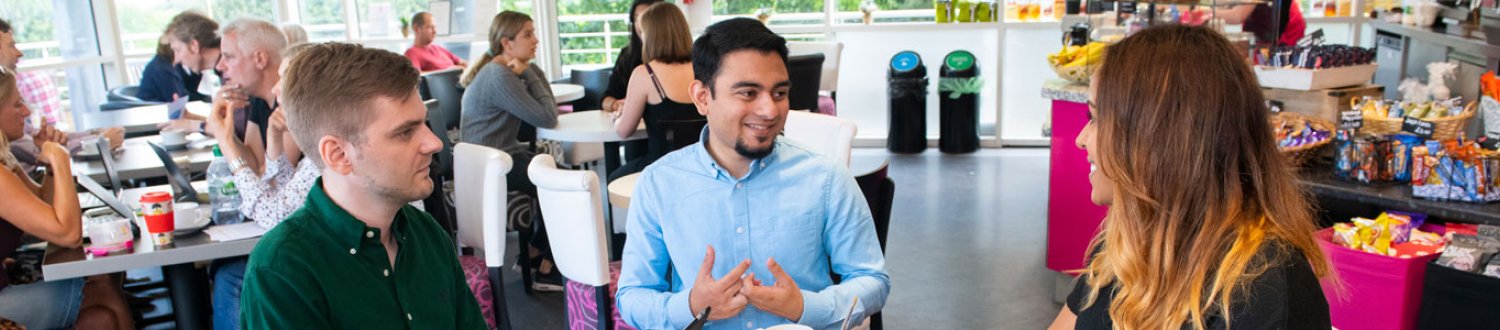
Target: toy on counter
(1438, 74)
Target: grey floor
(966, 246)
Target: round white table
(587, 126)
(564, 93)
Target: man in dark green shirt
(355, 256)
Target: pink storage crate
(1380, 292)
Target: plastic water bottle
(222, 193)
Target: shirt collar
(712, 166)
(345, 229)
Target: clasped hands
(730, 294)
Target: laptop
(182, 184)
(104, 196)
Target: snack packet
(1468, 252)
(1346, 235)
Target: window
(592, 32)
(382, 18)
(228, 10)
(323, 20)
(143, 21)
(886, 11)
(53, 33)
(523, 6)
(774, 12)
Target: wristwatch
(202, 127)
(236, 164)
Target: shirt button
(740, 230)
(408, 316)
(387, 272)
(352, 251)
(739, 186)
(750, 325)
(369, 234)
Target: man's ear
(335, 155)
(701, 95)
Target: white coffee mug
(187, 215)
(173, 137)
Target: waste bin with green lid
(958, 103)
(907, 89)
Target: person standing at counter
(1261, 20)
(1206, 227)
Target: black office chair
(443, 87)
(806, 73)
(124, 93)
(594, 82)
(437, 203)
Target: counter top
(1065, 90)
(1474, 43)
(1399, 197)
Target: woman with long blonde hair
(1206, 228)
(47, 210)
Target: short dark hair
(727, 37)
(316, 108)
(4, 26)
(191, 25)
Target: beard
(743, 150)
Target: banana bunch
(1076, 56)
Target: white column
(351, 20)
(107, 27)
(544, 17)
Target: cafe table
(137, 121)
(564, 92)
(135, 159)
(188, 286)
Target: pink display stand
(1380, 292)
(1072, 219)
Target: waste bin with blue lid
(958, 103)
(907, 89)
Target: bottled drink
(223, 195)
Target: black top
(669, 125)
(160, 79)
(1285, 296)
(259, 112)
(619, 77)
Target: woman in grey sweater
(502, 90)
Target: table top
(136, 120)
(864, 165)
(587, 126)
(64, 263)
(136, 160)
(621, 189)
(564, 93)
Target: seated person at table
(785, 218)
(355, 256)
(48, 211)
(666, 76)
(250, 65)
(26, 151)
(628, 60)
(1213, 233)
(504, 90)
(190, 41)
(424, 54)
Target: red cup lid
(156, 197)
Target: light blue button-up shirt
(801, 208)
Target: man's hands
(116, 136)
(730, 294)
(783, 298)
(722, 294)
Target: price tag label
(1421, 128)
(1351, 120)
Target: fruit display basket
(1077, 63)
(1443, 128)
(1314, 79)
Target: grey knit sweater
(496, 103)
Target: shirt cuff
(817, 310)
(679, 312)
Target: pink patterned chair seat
(478, 277)
(582, 312)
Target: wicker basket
(1299, 155)
(1445, 128)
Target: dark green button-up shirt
(324, 269)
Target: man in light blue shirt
(746, 225)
